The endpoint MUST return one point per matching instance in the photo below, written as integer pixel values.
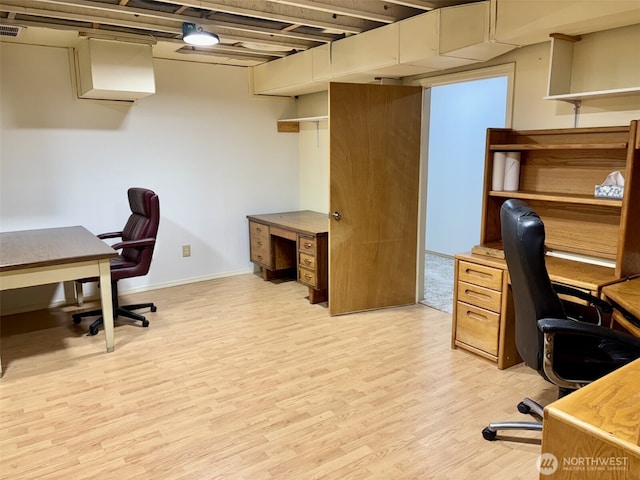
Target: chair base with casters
(118, 311)
(526, 407)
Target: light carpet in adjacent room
(438, 282)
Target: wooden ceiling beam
(278, 13)
(109, 14)
(337, 9)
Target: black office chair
(567, 352)
(138, 241)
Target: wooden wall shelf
(560, 198)
(561, 71)
(292, 125)
(518, 147)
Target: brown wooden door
(374, 150)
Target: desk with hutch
(283, 242)
(558, 172)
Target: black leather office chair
(569, 353)
(138, 241)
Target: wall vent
(9, 30)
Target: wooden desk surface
(50, 246)
(305, 221)
(626, 294)
(610, 405)
(595, 424)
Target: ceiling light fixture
(194, 35)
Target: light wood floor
(243, 379)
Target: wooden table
(594, 432)
(625, 297)
(51, 255)
(288, 241)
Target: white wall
(206, 145)
(460, 116)
(313, 144)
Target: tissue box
(609, 191)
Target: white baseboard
(39, 304)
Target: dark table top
(305, 221)
(50, 246)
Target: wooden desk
(292, 241)
(483, 314)
(625, 297)
(38, 257)
(594, 432)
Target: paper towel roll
(499, 161)
(512, 172)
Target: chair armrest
(574, 292)
(556, 325)
(550, 327)
(102, 236)
(143, 242)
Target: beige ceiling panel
(463, 26)
(370, 50)
(283, 72)
(529, 22)
(321, 61)
(419, 38)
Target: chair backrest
(142, 224)
(533, 295)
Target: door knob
(336, 215)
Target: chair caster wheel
(489, 434)
(524, 408)
(93, 331)
(154, 308)
(145, 323)
(76, 321)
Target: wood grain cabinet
(591, 242)
(559, 170)
(292, 243)
(312, 265)
(483, 319)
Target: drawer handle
(307, 276)
(259, 244)
(470, 271)
(259, 257)
(476, 316)
(258, 229)
(307, 261)
(473, 293)
(308, 245)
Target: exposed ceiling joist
(251, 31)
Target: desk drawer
(308, 277)
(258, 231)
(307, 261)
(261, 256)
(307, 244)
(480, 275)
(480, 296)
(477, 327)
(260, 242)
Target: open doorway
(459, 112)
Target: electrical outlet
(186, 250)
